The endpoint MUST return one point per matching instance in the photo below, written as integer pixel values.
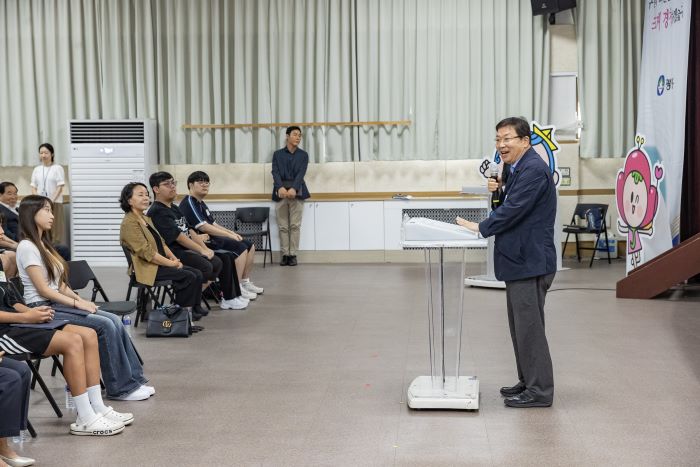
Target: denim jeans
(122, 372)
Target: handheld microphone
(496, 195)
(494, 172)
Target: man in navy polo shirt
(289, 166)
(198, 215)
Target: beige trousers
(289, 213)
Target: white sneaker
(233, 304)
(99, 426)
(248, 294)
(250, 287)
(149, 389)
(139, 394)
(124, 418)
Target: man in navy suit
(525, 259)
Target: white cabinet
(366, 225)
(307, 237)
(332, 226)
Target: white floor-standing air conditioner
(105, 155)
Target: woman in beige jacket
(152, 259)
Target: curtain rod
(192, 126)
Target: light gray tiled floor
(315, 373)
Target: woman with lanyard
(48, 179)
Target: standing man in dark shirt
(186, 245)
(288, 169)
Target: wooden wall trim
(377, 195)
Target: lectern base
(484, 281)
(421, 394)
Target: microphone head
(494, 170)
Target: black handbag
(169, 321)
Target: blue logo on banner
(660, 85)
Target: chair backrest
(79, 276)
(255, 215)
(599, 212)
(127, 254)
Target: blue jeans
(122, 372)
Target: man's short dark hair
(197, 176)
(292, 128)
(127, 193)
(519, 124)
(157, 178)
(4, 185)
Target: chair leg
(595, 249)
(563, 250)
(47, 393)
(607, 246)
(31, 429)
(578, 251)
(37, 366)
(128, 293)
(57, 364)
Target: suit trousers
(14, 397)
(289, 213)
(525, 299)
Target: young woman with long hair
(81, 367)
(44, 276)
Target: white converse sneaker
(149, 389)
(247, 294)
(250, 287)
(124, 418)
(233, 304)
(99, 426)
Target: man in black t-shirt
(185, 243)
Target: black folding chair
(146, 295)
(80, 274)
(33, 361)
(253, 223)
(591, 221)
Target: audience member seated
(8, 209)
(152, 259)
(198, 215)
(7, 256)
(186, 244)
(36, 332)
(43, 273)
(15, 379)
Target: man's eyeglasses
(169, 183)
(203, 182)
(506, 140)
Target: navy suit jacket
(11, 225)
(524, 223)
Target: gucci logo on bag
(167, 324)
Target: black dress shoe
(510, 391)
(525, 400)
(285, 261)
(197, 328)
(292, 261)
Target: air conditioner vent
(86, 132)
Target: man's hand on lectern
(473, 226)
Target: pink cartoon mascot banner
(648, 188)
